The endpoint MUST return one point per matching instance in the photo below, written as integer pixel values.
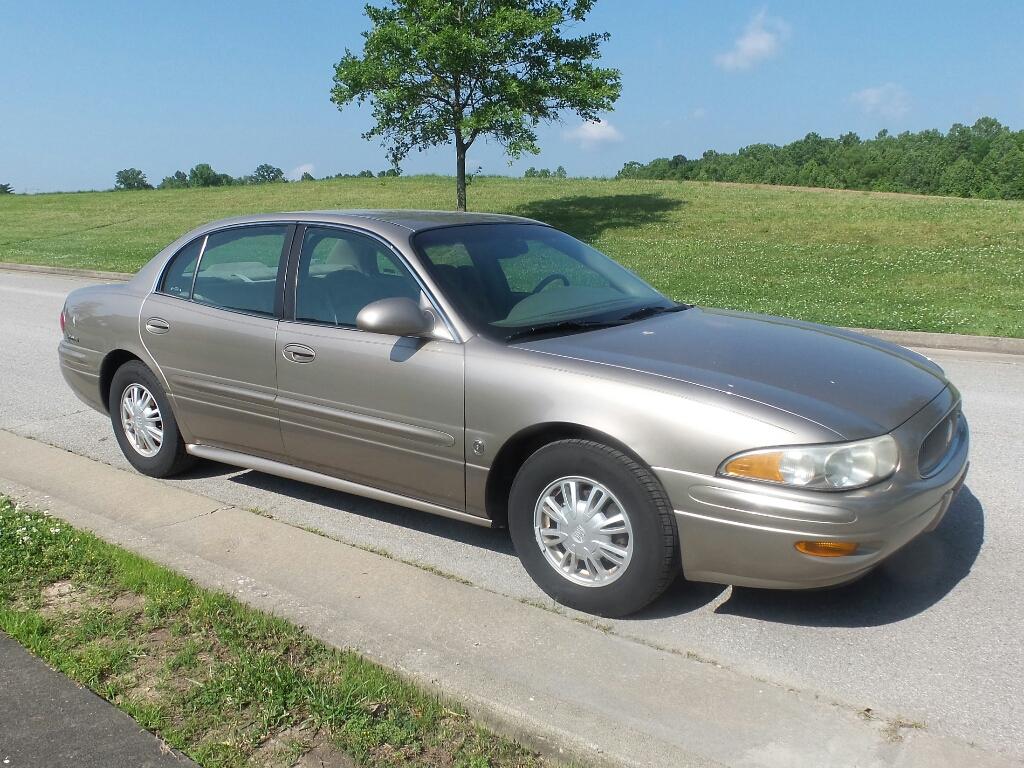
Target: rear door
(380, 410)
(212, 327)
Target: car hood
(851, 384)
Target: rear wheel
(593, 528)
(144, 423)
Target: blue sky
(89, 88)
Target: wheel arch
(523, 444)
(111, 362)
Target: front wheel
(593, 528)
(144, 424)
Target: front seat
(344, 256)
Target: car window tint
(178, 277)
(239, 268)
(341, 272)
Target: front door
(212, 331)
(379, 410)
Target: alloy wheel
(583, 531)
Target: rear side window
(178, 277)
(239, 269)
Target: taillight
(62, 321)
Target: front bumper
(743, 533)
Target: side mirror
(397, 316)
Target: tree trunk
(460, 174)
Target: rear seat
(235, 293)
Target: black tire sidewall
(169, 458)
(653, 555)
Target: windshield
(514, 280)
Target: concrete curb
(951, 341)
(118, 277)
(518, 668)
(955, 341)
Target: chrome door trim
(298, 353)
(157, 325)
(290, 472)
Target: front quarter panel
(664, 422)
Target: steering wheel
(550, 279)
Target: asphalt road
(58, 724)
(934, 635)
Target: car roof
(412, 220)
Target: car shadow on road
(494, 540)
(909, 582)
(587, 217)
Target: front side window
(340, 272)
(238, 269)
(509, 280)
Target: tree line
(983, 160)
(203, 175)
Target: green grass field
(844, 258)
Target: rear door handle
(157, 325)
(299, 353)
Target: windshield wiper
(640, 314)
(568, 326)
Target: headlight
(822, 467)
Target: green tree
(202, 175)
(267, 174)
(131, 178)
(6, 189)
(450, 71)
(307, 176)
(985, 160)
(178, 181)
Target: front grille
(939, 444)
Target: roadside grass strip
(224, 683)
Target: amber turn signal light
(827, 548)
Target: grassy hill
(844, 258)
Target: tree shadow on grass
(587, 217)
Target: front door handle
(299, 353)
(157, 325)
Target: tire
(163, 458)
(595, 583)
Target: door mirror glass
(396, 316)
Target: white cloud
(761, 40)
(593, 134)
(886, 100)
(296, 173)
(699, 113)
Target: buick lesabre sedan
(495, 370)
